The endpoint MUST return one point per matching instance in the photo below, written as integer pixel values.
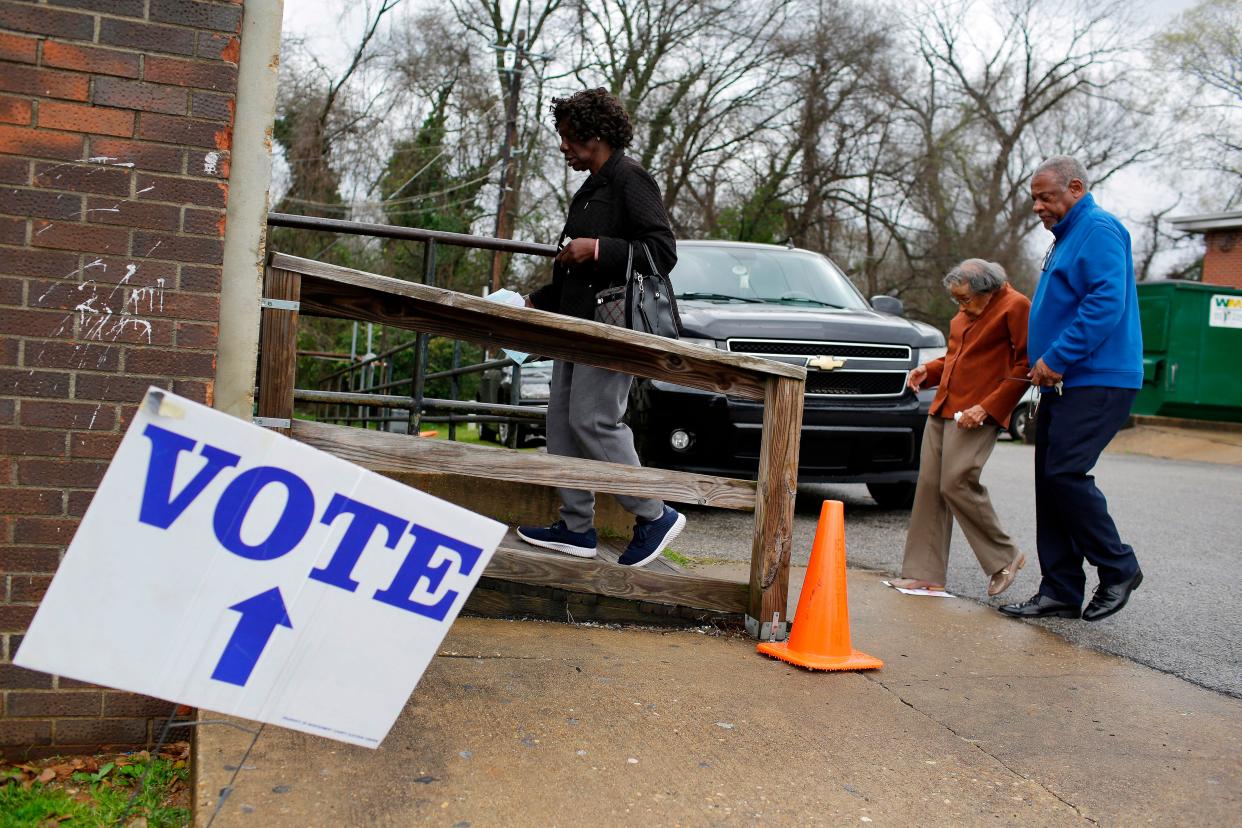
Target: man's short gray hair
(980, 275)
(1066, 168)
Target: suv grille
(794, 347)
(856, 383)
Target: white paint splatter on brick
(210, 163)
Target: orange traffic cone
(821, 634)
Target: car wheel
(488, 432)
(1019, 421)
(892, 495)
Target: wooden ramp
(523, 580)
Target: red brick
(173, 129)
(20, 501)
(23, 322)
(132, 705)
(23, 383)
(181, 190)
(86, 178)
(45, 21)
(18, 48)
(170, 363)
(90, 59)
(114, 389)
(29, 589)
(211, 106)
(17, 737)
(182, 248)
(128, 8)
(67, 473)
(200, 392)
(21, 442)
(92, 356)
(36, 263)
(205, 222)
(12, 231)
(79, 501)
(146, 273)
(13, 677)
(142, 155)
(197, 336)
(149, 97)
(15, 618)
(83, 118)
(200, 278)
(27, 704)
(217, 46)
(64, 683)
(40, 203)
(84, 237)
(8, 354)
(209, 163)
(16, 111)
(146, 37)
(198, 15)
(28, 559)
(133, 213)
(221, 77)
(92, 733)
(14, 170)
(44, 83)
(65, 415)
(16, 140)
(98, 446)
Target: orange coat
(982, 352)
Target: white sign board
(1225, 311)
(228, 567)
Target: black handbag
(644, 302)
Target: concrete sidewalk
(975, 719)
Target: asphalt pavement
(1183, 519)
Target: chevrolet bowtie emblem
(826, 363)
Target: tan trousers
(949, 489)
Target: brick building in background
(116, 124)
(1222, 261)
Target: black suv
(860, 423)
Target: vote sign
(227, 567)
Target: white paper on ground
(227, 567)
(934, 593)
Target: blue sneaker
(651, 537)
(558, 537)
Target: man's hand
(972, 417)
(1041, 374)
(577, 251)
(916, 378)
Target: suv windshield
(750, 274)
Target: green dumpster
(1192, 350)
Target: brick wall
(115, 127)
(1222, 263)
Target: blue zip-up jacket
(1084, 317)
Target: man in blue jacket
(1086, 351)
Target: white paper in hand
(510, 297)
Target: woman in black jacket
(619, 204)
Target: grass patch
(96, 791)
(677, 558)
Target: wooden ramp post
(278, 348)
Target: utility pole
(504, 200)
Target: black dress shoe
(1041, 606)
(1111, 598)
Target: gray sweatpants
(585, 406)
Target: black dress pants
(1071, 515)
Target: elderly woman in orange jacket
(980, 380)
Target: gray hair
(980, 275)
(1066, 168)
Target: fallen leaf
(48, 775)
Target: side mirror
(888, 304)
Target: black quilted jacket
(619, 204)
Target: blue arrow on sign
(259, 617)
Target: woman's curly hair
(594, 113)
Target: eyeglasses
(963, 302)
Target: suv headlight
(926, 355)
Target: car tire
(1019, 422)
(488, 432)
(892, 495)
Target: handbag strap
(655, 271)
